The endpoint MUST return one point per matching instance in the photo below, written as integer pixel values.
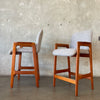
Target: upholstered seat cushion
(64, 52)
(25, 50)
(68, 52)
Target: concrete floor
(25, 89)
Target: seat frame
(77, 75)
(35, 60)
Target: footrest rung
(26, 67)
(65, 79)
(81, 76)
(24, 72)
(62, 70)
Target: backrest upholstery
(38, 41)
(85, 36)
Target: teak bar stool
(26, 47)
(81, 46)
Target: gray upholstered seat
(64, 52)
(85, 36)
(25, 50)
(37, 42)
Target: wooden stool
(34, 48)
(80, 41)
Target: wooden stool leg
(13, 67)
(19, 65)
(55, 63)
(36, 72)
(38, 67)
(77, 72)
(68, 58)
(35, 66)
(91, 69)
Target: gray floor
(25, 89)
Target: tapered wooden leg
(36, 73)
(76, 77)
(77, 73)
(68, 58)
(38, 67)
(13, 67)
(12, 80)
(35, 66)
(19, 65)
(55, 63)
(91, 69)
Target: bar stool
(26, 47)
(81, 46)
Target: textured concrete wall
(20, 20)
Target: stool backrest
(38, 41)
(85, 36)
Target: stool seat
(64, 52)
(68, 52)
(22, 50)
(25, 50)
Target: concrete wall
(20, 20)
